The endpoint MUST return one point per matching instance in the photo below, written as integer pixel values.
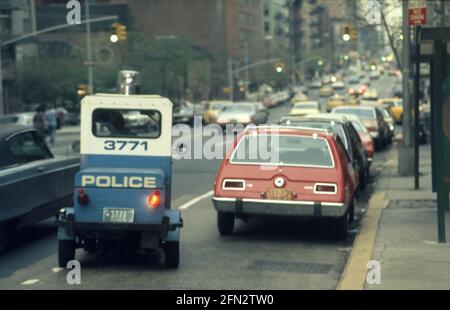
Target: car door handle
(41, 169)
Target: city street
(272, 253)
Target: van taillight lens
(325, 189)
(83, 198)
(233, 184)
(154, 199)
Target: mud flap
(66, 229)
(176, 220)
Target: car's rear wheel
(225, 223)
(66, 252)
(172, 254)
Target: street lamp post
(89, 48)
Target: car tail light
(233, 185)
(83, 198)
(324, 188)
(154, 199)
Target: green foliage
(163, 63)
(50, 80)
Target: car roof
(7, 130)
(292, 130)
(333, 117)
(360, 107)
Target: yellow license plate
(279, 194)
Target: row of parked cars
(322, 164)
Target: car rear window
(284, 150)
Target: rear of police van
(124, 180)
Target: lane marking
(195, 200)
(30, 282)
(355, 271)
(57, 269)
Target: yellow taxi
(335, 101)
(395, 105)
(212, 109)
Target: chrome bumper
(279, 207)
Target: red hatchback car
(307, 174)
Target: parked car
(72, 118)
(335, 101)
(349, 136)
(363, 133)
(395, 105)
(24, 119)
(34, 184)
(370, 94)
(315, 84)
(243, 113)
(373, 120)
(305, 108)
(313, 178)
(183, 115)
(212, 109)
(338, 85)
(326, 91)
(374, 75)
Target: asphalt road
(262, 254)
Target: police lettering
(107, 181)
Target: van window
(145, 124)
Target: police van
(122, 192)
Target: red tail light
(154, 199)
(320, 188)
(83, 198)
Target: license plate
(113, 215)
(279, 194)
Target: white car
(24, 119)
(305, 108)
(338, 85)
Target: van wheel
(342, 227)
(225, 223)
(172, 254)
(66, 252)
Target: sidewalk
(400, 232)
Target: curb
(354, 275)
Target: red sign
(417, 16)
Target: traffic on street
(277, 145)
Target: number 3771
(111, 145)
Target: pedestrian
(39, 121)
(50, 116)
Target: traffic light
(83, 90)
(119, 32)
(349, 33)
(279, 67)
(346, 35)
